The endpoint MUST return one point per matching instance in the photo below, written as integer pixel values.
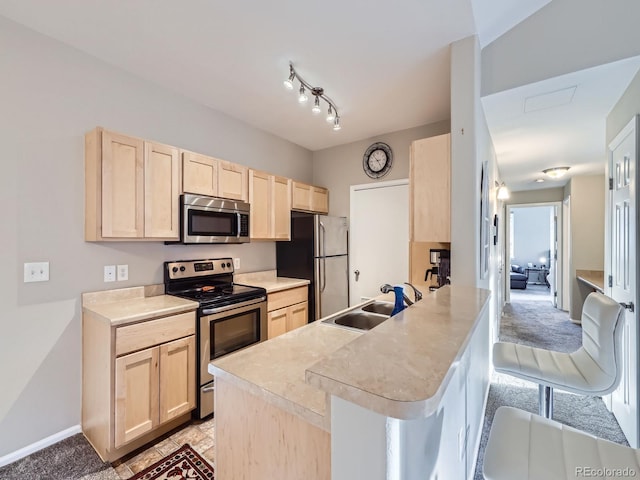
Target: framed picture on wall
(484, 220)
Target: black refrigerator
(318, 252)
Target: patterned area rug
(183, 464)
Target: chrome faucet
(417, 294)
(386, 288)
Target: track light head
(330, 115)
(316, 106)
(302, 98)
(336, 124)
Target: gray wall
(563, 37)
(338, 168)
(51, 95)
(625, 109)
(531, 232)
(536, 196)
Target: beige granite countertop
(275, 370)
(269, 280)
(127, 305)
(402, 367)
(593, 278)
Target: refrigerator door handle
(324, 234)
(324, 274)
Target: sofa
(518, 277)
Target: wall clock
(377, 160)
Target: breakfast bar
(406, 396)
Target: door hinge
(610, 183)
(610, 281)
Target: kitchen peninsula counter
(402, 369)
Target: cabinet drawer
(146, 334)
(284, 298)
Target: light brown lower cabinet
(138, 381)
(288, 310)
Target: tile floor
(199, 434)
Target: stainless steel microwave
(213, 220)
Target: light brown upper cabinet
(270, 199)
(232, 181)
(204, 175)
(132, 188)
(199, 174)
(430, 189)
(308, 198)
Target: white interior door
(622, 244)
(378, 238)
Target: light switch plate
(109, 273)
(36, 272)
(123, 272)
(236, 264)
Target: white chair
(524, 446)
(593, 369)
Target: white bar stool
(593, 370)
(524, 446)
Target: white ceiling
(386, 67)
(385, 64)
(556, 122)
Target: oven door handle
(212, 311)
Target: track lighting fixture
(318, 92)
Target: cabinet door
(199, 174)
(136, 395)
(122, 186)
(260, 186)
(161, 191)
(277, 323)
(298, 316)
(282, 208)
(301, 196)
(177, 378)
(430, 189)
(319, 200)
(232, 181)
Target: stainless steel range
(230, 316)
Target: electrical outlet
(236, 264)
(109, 273)
(36, 272)
(123, 272)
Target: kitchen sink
(363, 318)
(383, 308)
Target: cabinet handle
(209, 389)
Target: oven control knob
(182, 269)
(228, 264)
(223, 265)
(174, 269)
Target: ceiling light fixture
(539, 180)
(555, 172)
(318, 93)
(503, 192)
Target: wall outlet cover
(109, 273)
(236, 264)
(122, 272)
(36, 272)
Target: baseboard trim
(39, 445)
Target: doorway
(378, 237)
(534, 252)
